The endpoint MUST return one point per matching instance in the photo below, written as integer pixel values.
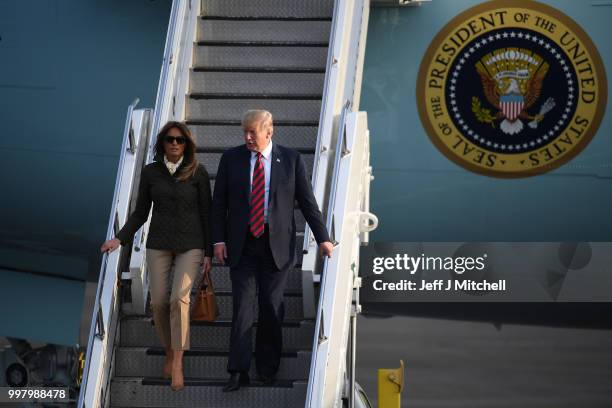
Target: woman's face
(174, 143)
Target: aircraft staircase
(271, 58)
(221, 59)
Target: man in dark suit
(253, 228)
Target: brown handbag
(205, 307)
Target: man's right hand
(326, 249)
(220, 252)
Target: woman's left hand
(206, 264)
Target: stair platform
(139, 331)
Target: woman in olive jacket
(179, 189)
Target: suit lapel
(275, 169)
(245, 172)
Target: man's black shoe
(267, 380)
(235, 381)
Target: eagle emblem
(512, 81)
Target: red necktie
(258, 192)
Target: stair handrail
(316, 366)
(340, 282)
(322, 148)
(174, 77)
(108, 276)
(343, 75)
(169, 105)
(323, 144)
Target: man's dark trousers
(257, 270)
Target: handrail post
(100, 324)
(97, 326)
(338, 155)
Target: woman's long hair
(190, 163)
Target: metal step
(296, 44)
(268, 8)
(236, 122)
(139, 331)
(297, 137)
(261, 57)
(300, 221)
(220, 108)
(255, 69)
(299, 254)
(299, 243)
(211, 162)
(202, 363)
(257, 82)
(293, 306)
(220, 276)
(156, 393)
(223, 29)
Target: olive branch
(483, 115)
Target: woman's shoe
(168, 364)
(177, 379)
(177, 371)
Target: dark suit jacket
(181, 209)
(288, 183)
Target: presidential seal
(511, 88)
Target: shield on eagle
(511, 105)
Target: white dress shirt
(172, 166)
(266, 157)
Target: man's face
(256, 136)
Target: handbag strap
(207, 281)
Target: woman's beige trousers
(171, 304)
